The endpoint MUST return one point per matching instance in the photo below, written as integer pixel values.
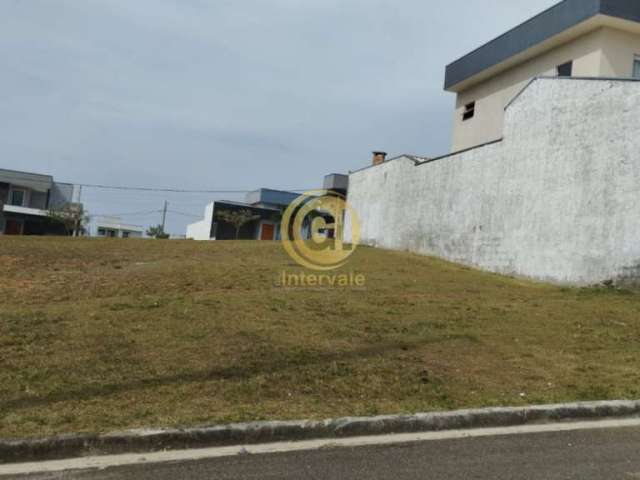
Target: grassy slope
(105, 334)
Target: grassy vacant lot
(97, 335)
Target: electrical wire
(129, 214)
(144, 189)
(184, 214)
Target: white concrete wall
(202, 230)
(558, 199)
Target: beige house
(580, 38)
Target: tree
(276, 217)
(157, 232)
(237, 219)
(72, 217)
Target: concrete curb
(138, 441)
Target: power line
(184, 214)
(177, 190)
(146, 189)
(128, 214)
(159, 189)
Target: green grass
(99, 335)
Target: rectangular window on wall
(469, 111)
(565, 70)
(636, 67)
(18, 198)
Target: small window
(469, 111)
(18, 197)
(636, 67)
(102, 232)
(565, 70)
(125, 234)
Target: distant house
(266, 204)
(26, 200)
(113, 227)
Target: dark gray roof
(245, 205)
(273, 197)
(35, 181)
(547, 24)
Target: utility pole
(76, 230)
(164, 215)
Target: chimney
(379, 157)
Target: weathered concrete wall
(557, 199)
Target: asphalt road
(581, 455)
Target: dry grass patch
(97, 335)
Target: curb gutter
(147, 440)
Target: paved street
(584, 455)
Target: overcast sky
(227, 94)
